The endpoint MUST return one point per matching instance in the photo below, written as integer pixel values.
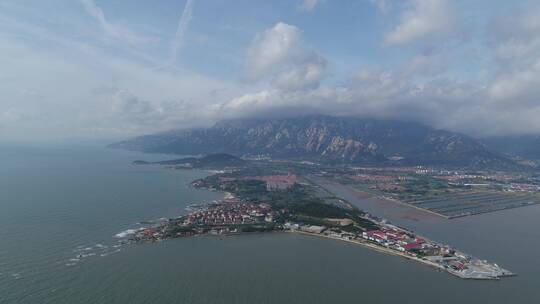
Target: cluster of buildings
(501, 177)
(507, 181)
(399, 240)
(405, 242)
(231, 213)
(216, 218)
(391, 238)
(461, 177)
(524, 187)
(257, 157)
(414, 169)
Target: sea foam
(126, 233)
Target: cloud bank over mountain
(121, 71)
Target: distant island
(218, 160)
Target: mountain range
(330, 139)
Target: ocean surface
(61, 207)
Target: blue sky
(113, 69)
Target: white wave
(81, 248)
(126, 233)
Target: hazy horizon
(94, 70)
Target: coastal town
(265, 195)
(240, 213)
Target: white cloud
(384, 6)
(279, 54)
(506, 101)
(308, 5)
(115, 31)
(423, 18)
(517, 86)
(517, 79)
(518, 36)
(508, 104)
(302, 75)
(272, 48)
(183, 24)
(115, 98)
(102, 92)
(430, 64)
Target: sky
(96, 69)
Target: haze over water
(56, 200)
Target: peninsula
(259, 199)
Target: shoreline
(375, 248)
(464, 266)
(505, 273)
